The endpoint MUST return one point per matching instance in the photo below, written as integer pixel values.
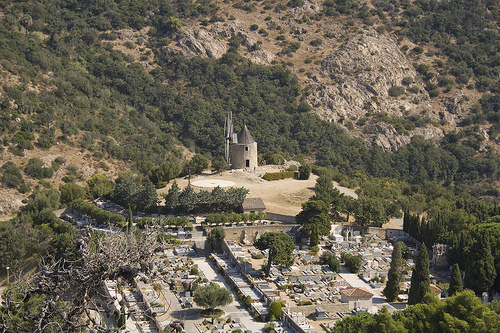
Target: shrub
(278, 175)
(407, 80)
(35, 169)
(316, 42)
(396, 91)
(304, 172)
(254, 27)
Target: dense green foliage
(233, 218)
(216, 236)
(278, 175)
(420, 278)
(280, 247)
(314, 219)
(35, 231)
(460, 313)
(275, 310)
(352, 262)
(212, 296)
(100, 215)
(391, 290)
(480, 270)
(332, 261)
(455, 281)
(120, 110)
(189, 201)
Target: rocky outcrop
(386, 137)
(198, 42)
(9, 203)
(214, 43)
(362, 71)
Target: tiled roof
(436, 289)
(253, 203)
(356, 292)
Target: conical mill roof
(244, 137)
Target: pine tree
(456, 281)
(420, 279)
(480, 270)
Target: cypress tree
(391, 290)
(480, 270)
(456, 281)
(130, 219)
(420, 279)
(397, 258)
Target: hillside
(146, 85)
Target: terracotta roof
(253, 203)
(356, 292)
(244, 137)
(436, 289)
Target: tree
(216, 236)
(219, 163)
(353, 263)
(70, 192)
(100, 186)
(420, 279)
(480, 270)
(165, 172)
(74, 285)
(397, 258)
(172, 197)
(146, 197)
(188, 200)
(212, 296)
(348, 206)
(370, 210)
(325, 192)
(304, 171)
(332, 261)
(280, 247)
(275, 310)
(26, 22)
(314, 218)
(456, 281)
(125, 191)
(198, 163)
(391, 290)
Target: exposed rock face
(198, 42)
(9, 203)
(386, 137)
(363, 70)
(208, 44)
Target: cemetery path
(377, 300)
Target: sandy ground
(280, 196)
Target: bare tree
(64, 290)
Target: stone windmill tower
(243, 148)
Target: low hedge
(278, 175)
